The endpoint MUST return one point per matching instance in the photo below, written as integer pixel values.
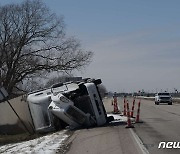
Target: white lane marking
(139, 142)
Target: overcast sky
(136, 43)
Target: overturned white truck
(75, 104)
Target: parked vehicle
(163, 98)
(75, 104)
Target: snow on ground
(48, 144)
(119, 118)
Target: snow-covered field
(48, 144)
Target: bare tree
(33, 41)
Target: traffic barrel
(129, 123)
(132, 111)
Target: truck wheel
(170, 103)
(157, 103)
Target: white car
(163, 98)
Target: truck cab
(77, 104)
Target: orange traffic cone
(132, 112)
(124, 112)
(138, 113)
(129, 124)
(116, 110)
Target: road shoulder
(115, 139)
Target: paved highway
(160, 123)
(111, 139)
